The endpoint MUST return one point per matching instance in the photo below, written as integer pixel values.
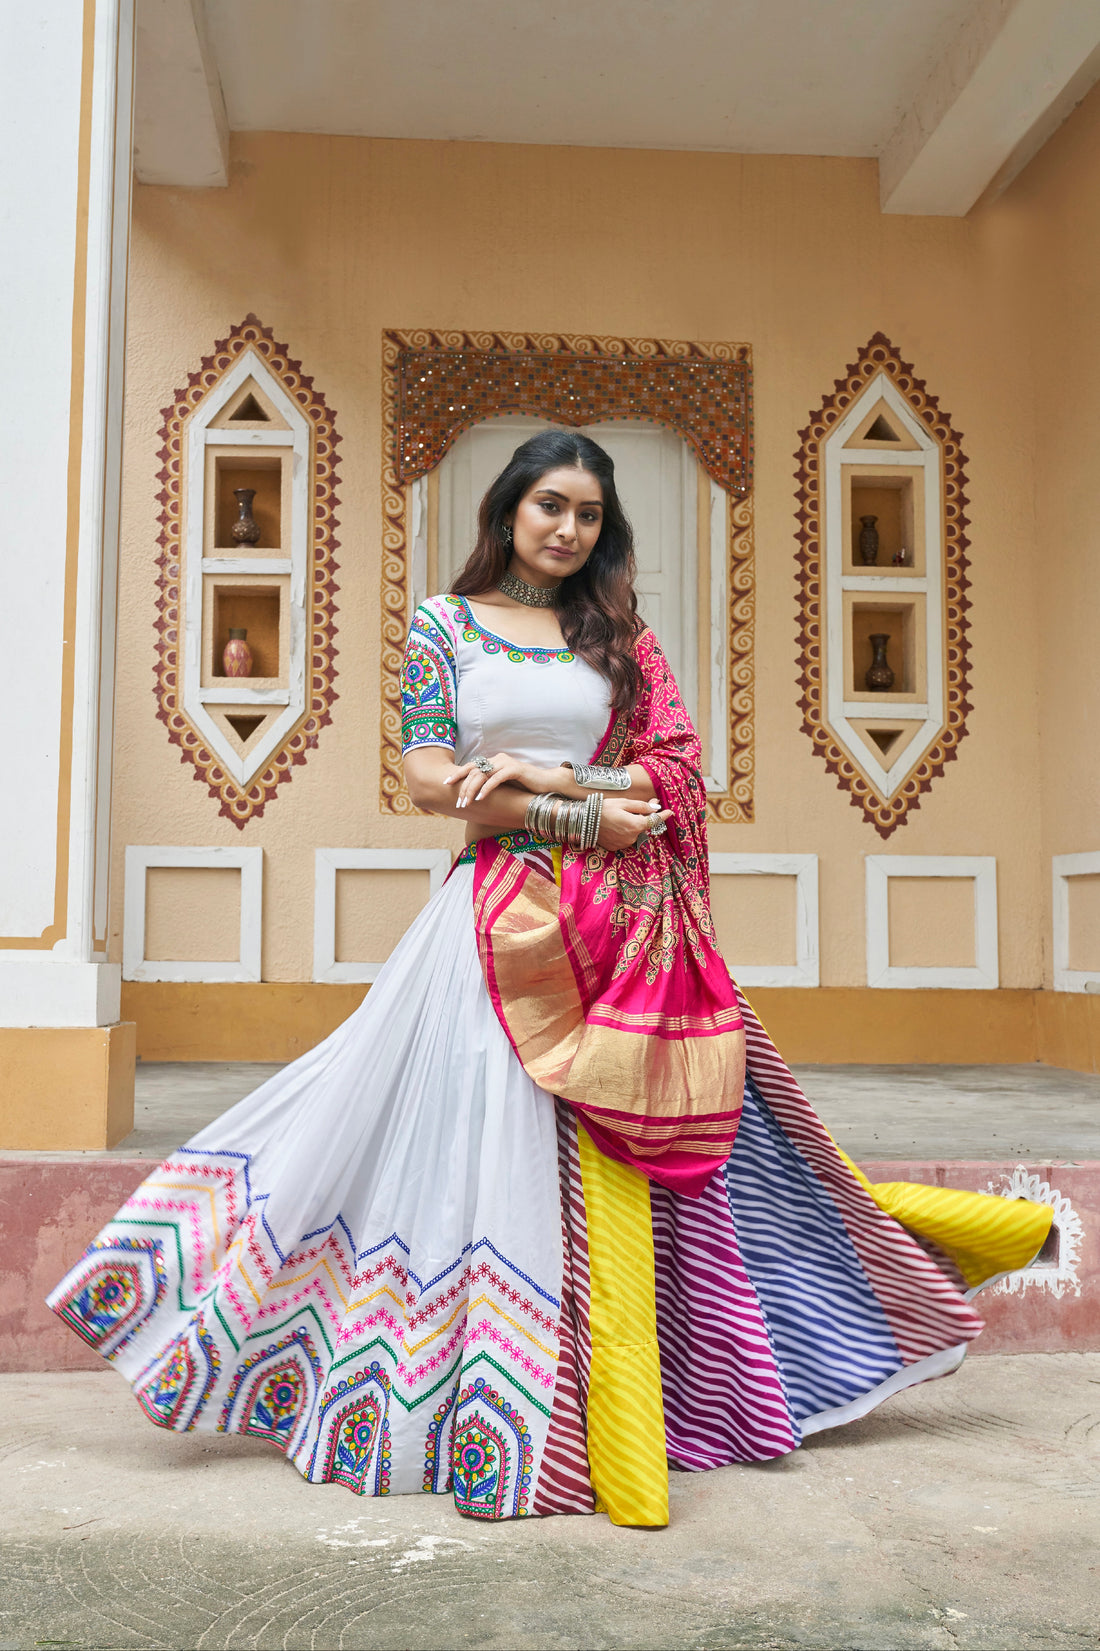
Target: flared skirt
(380, 1261)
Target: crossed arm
(491, 803)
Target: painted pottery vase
(868, 541)
(879, 678)
(237, 655)
(246, 529)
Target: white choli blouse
(467, 689)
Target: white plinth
(55, 993)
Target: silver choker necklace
(532, 596)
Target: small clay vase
(246, 529)
(879, 678)
(237, 655)
(868, 541)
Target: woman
(523, 1229)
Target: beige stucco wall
(1047, 233)
(328, 240)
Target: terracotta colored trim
(833, 1025)
(880, 355)
(238, 805)
(67, 1088)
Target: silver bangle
(599, 779)
(571, 821)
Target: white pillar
(66, 85)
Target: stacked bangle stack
(574, 823)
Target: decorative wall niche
(883, 554)
(247, 541)
(437, 385)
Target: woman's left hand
(474, 784)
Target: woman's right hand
(624, 822)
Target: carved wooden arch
(437, 384)
(885, 814)
(243, 804)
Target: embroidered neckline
(474, 631)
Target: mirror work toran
(437, 384)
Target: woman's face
(556, 525)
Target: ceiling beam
(181, 134)
(1012, 73)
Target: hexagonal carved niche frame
(245, 798)
(885, 799)
(438, 383)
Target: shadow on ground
(965, 1513)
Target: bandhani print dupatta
(603, 967)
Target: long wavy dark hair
(596, 606)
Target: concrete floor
(1040, 1113)
(965, 1513)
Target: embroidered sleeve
(429, 684)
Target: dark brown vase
(246, 529)
(868, 541)
(879, 678)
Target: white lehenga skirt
(364, 1256)
(379, 1262)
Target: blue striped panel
(829, 1333)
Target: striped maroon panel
(564, 1485)
(724, 1396)
(923, 1309)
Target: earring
(506, 534)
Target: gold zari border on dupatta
(619, 1075)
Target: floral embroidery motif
(164, 1393)
(429, 685)
(491, 1455)
(282, 1381)
(125, 1285)
(355, 1416)
(472, 631)
(520, 843)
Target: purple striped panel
(724, 1397)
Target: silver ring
(483, 764)
(656, 830)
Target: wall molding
(885, 795)
(984, 974)
(139, 859)
(1063, 868)
(436, 862)
(243, 799)
(806, 969)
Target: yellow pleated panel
(626, 1417)
(984, 1235)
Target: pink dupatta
(605, 974)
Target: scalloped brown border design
(879, 355)
(237, 805)
(570, 378)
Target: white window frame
(436, 862)
(139, 859)
(806, 969)
(840, 711)
(295, 441)
(1063, 867)
(981, 869)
